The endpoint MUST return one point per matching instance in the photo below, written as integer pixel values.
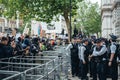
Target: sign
(36, 28)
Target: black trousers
(84, 70)
(75, 66)
(114, 70)
(90, 68)
(100, 69)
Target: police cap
(98, 40)
(78, 37)
(102, 39)
(84, 40)
(113, 37)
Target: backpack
(34, 48)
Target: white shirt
(68, 49)
(113, 48)
(81, 53)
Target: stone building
(110, 10)
(6, 24)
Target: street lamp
(75, 22)
(75, 29)
(17, 21)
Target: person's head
(19, 39)
(98, 42)
(85, 41)
(35, 40)
(13, 44)
(4, 40)
(27, 36)
(113, 38)
(74, 40)
(78, 39)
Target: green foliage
(42, 10)
(89, 17)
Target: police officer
(99, 61)
(83, 56)
(79, 42)
(73, 47)
(91, 51)
(113, 58)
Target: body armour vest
(101, 57)
(74, 50)
(86, 53)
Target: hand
(110, 63)
(27, 48)
(90, 56)
(84, 62)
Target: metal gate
(51, 65)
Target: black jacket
(19, 49)
(6, 51)
(2, 51)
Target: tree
(89, 17)
(43, 10)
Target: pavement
(76, 78)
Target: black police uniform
(114, 66)
(90, 61)
(74, 60)
(84, 67)
(99, 65)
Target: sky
(94, 1)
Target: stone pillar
(117, 21)
(107, 25)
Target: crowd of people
(96, 56)
(11, 46)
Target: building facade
(6, 24)
(110, 10)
